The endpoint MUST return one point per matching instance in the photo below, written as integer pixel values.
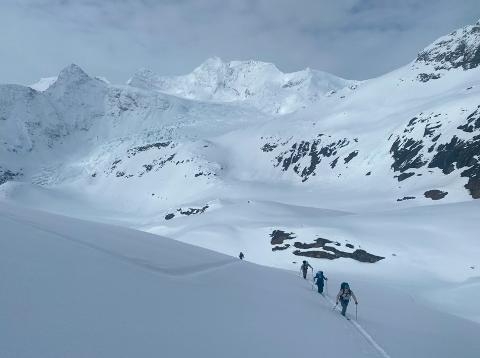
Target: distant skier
(319, 281)
(344, 296)
(241, 256)
(304, 268)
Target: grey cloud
(351, 38)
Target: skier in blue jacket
(319, 280)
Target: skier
(241, 256)
(344, 296)
(304, 268)
(320, 278)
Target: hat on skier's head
(304, 261)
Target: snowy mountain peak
(262, 84)
(459, 49)
(73, 73)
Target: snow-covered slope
(78, 289)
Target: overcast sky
(355, 39)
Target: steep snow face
(260, 84)
(78, 97)
(28, 121)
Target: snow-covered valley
(374, 182)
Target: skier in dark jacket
(304, 268)
(344, 297)
(319, 281)
(241, 256)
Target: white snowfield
(74, 288)
(372, 181)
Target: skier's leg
(344, 306)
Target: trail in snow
(360, 329)
(373, 343)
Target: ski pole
(356, 310)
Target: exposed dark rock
(369, 173)
(430, 129)
(316, 254)
(359, 255)
(459, 49)
(268, 147)
(328, 252)
(279, 236)
(187, 212)
(436, 138)
(473, 122)
(318, 243)
(120, 174)
(406, 198)
(7, 175)
(425, 77)
(144, 148)
(435, 194)
(278, 248)
(315, 150)
(473, 187)
(406, 154)
(404, 176)
(334, 163)
(193, 211)
(114, 165)
(459, 154)
(363, 256)
(351, 156)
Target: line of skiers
(319, 279)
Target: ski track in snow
(362, 331)
(374, 344)
(178, 272)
